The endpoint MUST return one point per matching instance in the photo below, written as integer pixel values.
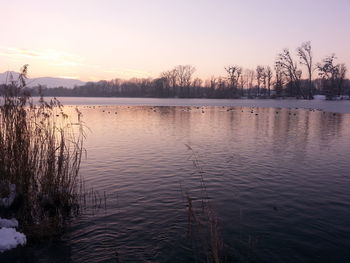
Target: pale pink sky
(106, 39)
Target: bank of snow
(8, 223)
(10, 238)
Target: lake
(332, 106)
(276, 174)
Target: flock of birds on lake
(202, 109)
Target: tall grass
(40, 152)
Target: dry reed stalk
(40, 152)
(202, 222)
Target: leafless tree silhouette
(289, 67)
(305, 57)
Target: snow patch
(8, 223)
(10, 238)
(319, 97)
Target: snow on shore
(8, 223)
(10, 238)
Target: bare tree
(234, 73)
(242, 83)
(222, 87)
(341, 77)
(332, 76)
(171, 80)
(213, 83)
(250, 80)
(268, 73)
(196, 85)
(305, 57)
(160, 87)
(263, 78)
(197, 82)
(259, 78)
(289, 67)
(179, 77)
(184, 76)
(278, 80)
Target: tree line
(285, 79)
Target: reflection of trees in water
(329, 126)
(291, 131)
(294, 130)
(291, 134)
(174, 120)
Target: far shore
(338, 106)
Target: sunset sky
(105, 39)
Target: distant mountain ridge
(50, 82)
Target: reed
(40, 153)
(203, 226)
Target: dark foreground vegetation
(40, 153)
(292, 76)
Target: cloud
(62, 60)
(68, 77)
(51, 56)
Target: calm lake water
(278, 181)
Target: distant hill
(49, 82)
